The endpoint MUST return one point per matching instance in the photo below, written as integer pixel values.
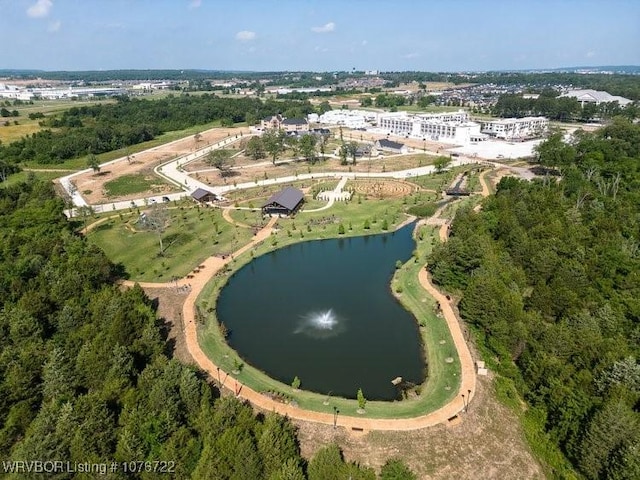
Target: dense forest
(105, 127)
(86, 373)
(549, 278)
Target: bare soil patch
(144, 162)
(486, 442)
(169, 302)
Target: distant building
(453, 127)
(273, 121)
(515, 128)
(294, 125)
(596, 96)
(391, 146)
(285, 202)
(286, 124)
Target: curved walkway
(212, 265)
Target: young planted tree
(92, 163)
(362, 402)
(296, 383)
(156, 220)
(441, 163)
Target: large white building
(347, 118)
(515, 128)
(450, 127)
(14, 92)
(596, 96)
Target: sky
(310, 35)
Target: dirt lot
(144, 162)
(486, 443)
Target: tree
(344, 153)
(307, 146)
(295, 384)
(273, 141)
(292, 142)
(255, 148)
(197, 138)
(366, 102)
(324, 107)
(92, 162)
(327, 463)
(441, 163)
(554, 153)
(352, 149)
(396, 469)
(361, 400)
(220, 159)
(156, 221)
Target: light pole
(335, 417)
(464, 404)
(468, 400)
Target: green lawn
(25, 175)
(193, 234)
(134, 183)
(443, 377)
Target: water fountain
(321, 324)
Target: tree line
(549, 279)
(86, 373)
(102, 128)
(563, 109)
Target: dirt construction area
(92, 185)
(484, 443)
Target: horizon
(327, 36)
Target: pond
(324, 311)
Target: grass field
(193, 234)
(27, 126)
(130, 184)
(443, 377)
(25, 175)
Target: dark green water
(324, 311)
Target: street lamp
(335, 417)
(468, 400)
(464, 404)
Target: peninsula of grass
(192, 235)
(443, 377)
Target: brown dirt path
(207, 270)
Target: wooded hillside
(549, 278)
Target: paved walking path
(335, 193)
(212, 265)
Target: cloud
(40, 9)
(590, 54)
(195, 3)
(54, 26)
(329, 27)
(411, 55)
(245, 36)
